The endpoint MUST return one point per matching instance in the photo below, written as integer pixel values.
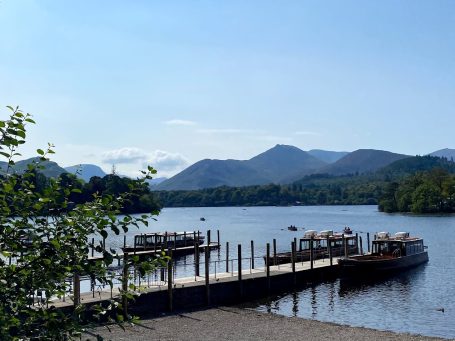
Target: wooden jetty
(231, 285)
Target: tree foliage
(44, 241)
(424, 192)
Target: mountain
(155, 181)
(414, 164)
(213, 173)
(449, 154)
(326, 155)
(284, 164)
(362, 161)
(280, 164)
(51, 169)
(85, 171)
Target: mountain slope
(362, 161)
(213, 173)
(280, 164)
(283, 163)
(51, 169)
(446, 152)
(85, 171)
(326, 155)
(414, 164)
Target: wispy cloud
(229, 131)
(312, 133)
(166, 162)
(177, 122)
(124, 155)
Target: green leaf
(40, 151)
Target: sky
(168, 83)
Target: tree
(44, 241)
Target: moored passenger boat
(320, 247)
(164, 240)
(389, 254)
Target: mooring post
(125, 286)
(239, 261)
(345, 246)
(196, 258)
(104, 243)
(267, 265)
(93, 247)
(252, 254)
(293, 257)
(135, 243)
(208, 237)
(329, 250)
(274, 251)
(184, 238)
(169, 279)
(77, 289)
(311, 253)
(175, 241)
(361, 245)
(218, 237)
(357, 243)
(368, 241)
(207, 273)
(227, 256)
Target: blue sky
(173, 82)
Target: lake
(405, 303)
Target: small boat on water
(347, 230)
(320, 247)
(389, 254)
(292, 228)
(164, 241)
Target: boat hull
(363, 266)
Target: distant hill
(51, 169)
(414, 164)
(213, 173)
(362, 161)
(279, 164)
(85, 171)
(449, 154)
(326, 155)
(155, 181)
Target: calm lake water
(405, 303)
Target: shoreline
(239, 323)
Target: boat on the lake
(164, 240)
(320, 247)
(389, 254)
(347, 230)
(292, 228)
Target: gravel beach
(235, 323)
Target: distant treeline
(425, 192)
(141, 199)
(326, 193)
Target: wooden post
(169, 280)
(184, 238)
(345, 245)
(207, 279)
(196, 257)
(329, 250)
(125, 286)
(104, 243)
(134, 249)
(175, 241)
(274, 251)
(227, 256)
(357, 243)
(239, 260)
(124, 240)
(208, 237)
(76, 289)
(368, 241)
(218, 237)
(361, 245)
(311, 253)
(252, 254)
(267, 263)
(293, 256)
(93, 247)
